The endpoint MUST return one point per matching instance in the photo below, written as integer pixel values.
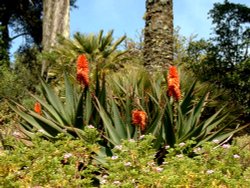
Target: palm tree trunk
(55, 21)
(158, 34)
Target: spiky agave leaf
(58, 115)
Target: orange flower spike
(82, 70)
(173, 83)
(139, 117)
(38, 108)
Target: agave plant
(172, 120)
(184, 121)
(64, 113)
(51, 114)
(136, 103)
(126, 94)
(55, 115)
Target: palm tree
(99, 48)
(158, 34)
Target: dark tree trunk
(158, 34)
(5, 43)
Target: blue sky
(126, 17)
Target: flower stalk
(38, 108)
(173, 83)
(83, 70)
(139, 118)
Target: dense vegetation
(101, 119)
(75, 163)
(224, 59)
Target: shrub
(72, 163)
(62, 163)
(211, 165)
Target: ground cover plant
(61, 163)
(74, 163)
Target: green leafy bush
(211, 165)
(73, 163)
(62, 163)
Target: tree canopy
(224, 59)
(24, 18)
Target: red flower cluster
(139, 118)
(38, 108)
(82, 70)
(173, 83)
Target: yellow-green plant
(64, 162)
(133, 165)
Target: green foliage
(62, 163)
(134, 160)
(101, 50)
(24, 18)
(232, 32)
(223, 60)
(132, 165)
(109, 101)
(21, 76)
(14, 83)
(28, 56)
(7, 120)
(57, 116)
(168, 121)
(124, 95)
(110, 111)
(134, 50)
(239, 83)
(71, 163)
(11, 84)
(243, 142)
